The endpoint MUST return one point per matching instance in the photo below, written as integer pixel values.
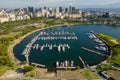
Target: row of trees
(115, 21)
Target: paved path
(12, 74)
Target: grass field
(115, 47)
(90, 75)
(10, 35)
(3, 69)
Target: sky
(54, 3)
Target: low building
(3, 16)
(76, 13)
(4, 19)
(12, 16)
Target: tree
(104, 67)
(77, 67)
(28, 68)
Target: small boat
(61, 64)
(57, 63)
(66, 63)
(59, 48)
(97, 40)
(72, 63)
(50, 47)
(101, 48)
(63, 48)
(42, 47)
(102, 44)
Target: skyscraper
(45, 8)
(70, 9)
(60, 9)
(66, 10)
(73, 8)
(36, 10)
(31, 9)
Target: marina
(60, 47)
(61, 44)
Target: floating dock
(84, 65)
(38, 65)
(66, 67)
(93, 51)
(60, 47)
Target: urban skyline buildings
(27, 13)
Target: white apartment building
(3, 16)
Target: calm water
(49, 57)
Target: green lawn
(89, 75)
(10, 35)
(3, 69)
(114, 45)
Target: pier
(84, 65)
(28, 47)
(66, 67)
(57, 33)
(57, 36)
(60, 47)
(93, 51)
(38, 65)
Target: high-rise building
(45, 8)
(66, 10)
(76, 11)
(25, 9)
(31, 9)
(40, 9)
(60, 9)
(70, 9)
(57, 10)
(73, 8)
(36, 10)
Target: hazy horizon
(56, 3)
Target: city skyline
(57, 3)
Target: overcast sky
(53, 3)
